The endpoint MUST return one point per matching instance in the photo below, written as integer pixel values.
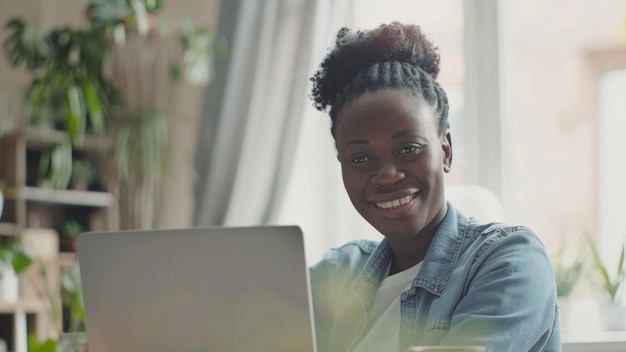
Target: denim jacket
(480, 284)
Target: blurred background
(196, 113)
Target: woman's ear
(446, 146)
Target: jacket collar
(443, 253)
(440, 260)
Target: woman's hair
(392, 56)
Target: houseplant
(71, 230)
(609, 282)
(14, 259)
(71, 331)
(568, 264)
(71, 91)
(68, 90)
(83, 174)
(568, 269)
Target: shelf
(61, 196)
(40, 137)
(25, 305)
(7, 229)
(44, 138)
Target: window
(611, 164)
(550, 112)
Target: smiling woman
(437, 277)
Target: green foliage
(36, 345)
(608, 283)
(140, 142)
(72, 228)
(55, 165)
(68, 87)
(72, 297)
(567, 268)
(83, 170)
(13, 253)
(24, 46)
(566, 276)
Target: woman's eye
(360, 159)
(409, 149)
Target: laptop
(201, 289)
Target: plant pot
(67, 244)
(79, 185)
(612, 316)
(9, 284)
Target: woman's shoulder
(488, 237)
(495, 231)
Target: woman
(437, 277)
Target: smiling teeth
(394, 203)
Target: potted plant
(71, 229)
(83, 174)
(74, 310)
(567, 270)
(609, 282)
(71, 328)
(68, 90)
(14, 259)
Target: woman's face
(393, 160)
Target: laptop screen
(203, 289)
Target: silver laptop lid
(215, 289)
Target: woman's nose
(387, 175)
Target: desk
(596, 341)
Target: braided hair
(392, 56)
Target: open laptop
(204, 289)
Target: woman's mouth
(396, 202)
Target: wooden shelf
(61, 196)
(40, 137)
(25, 305)
(20, 151)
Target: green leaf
(123, 149)
(24, 45)
(19, 257)
(22, 259)
(96, 115)
(75, 121)
(610, 286)
(44, 164)
(153, 5)
(35, 345)
(60, 170)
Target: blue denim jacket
(482, 284)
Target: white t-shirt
(384, 317)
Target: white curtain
(316, 199)
(253, 114)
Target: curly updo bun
(392, 56)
